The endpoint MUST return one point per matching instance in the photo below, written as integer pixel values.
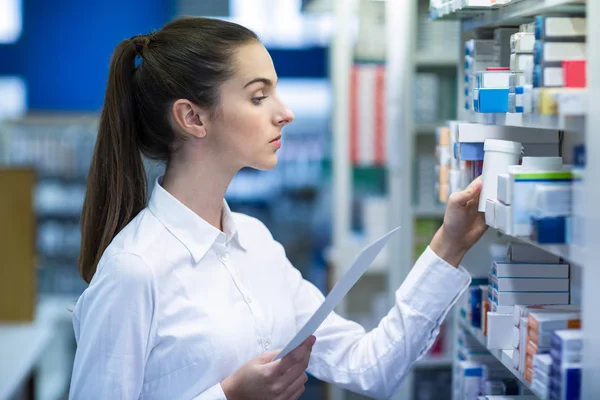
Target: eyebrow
(266, 81)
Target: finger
(473, 190)
(293, 357)
(298, 369)
(298, 393)
(296, 387)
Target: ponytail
(116, 186)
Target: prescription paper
(358, 268)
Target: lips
(276, 139)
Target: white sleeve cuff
(433, 286)
(213, 393)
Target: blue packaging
(549, 230)
(475, 304)
(491, 100)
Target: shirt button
(248, 299)
(225, 256)
(267, 345)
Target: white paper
(358, 268)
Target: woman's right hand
(262, 378)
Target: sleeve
(376, 363)
(213, 393)
(114, 326)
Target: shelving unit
(504, 356)
(576, 127)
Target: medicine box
(505, 269)
(493, 79)
(548, 76)
(568, 340)
(490, 212)
(490, 100)
(549, 322)
(530, 285)
(512, 298)
(522, 252)
(522, 42)
(556, 52)
(522, 311)
(523, 205)
(499, 331)
(520, 62)
(548, 28)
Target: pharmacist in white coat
(188, 300)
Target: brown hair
(188, 58)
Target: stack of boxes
(443, 163)
(520, 82)
(534, 200)
(557, 375)
(480, 54)
(560, 54)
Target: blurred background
(350, 152)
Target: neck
(201, 188)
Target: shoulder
(250, 227)
(126, 267)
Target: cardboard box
(504, 269)
(499, 331)
(513, 298)
(17, 245)
(530, 285)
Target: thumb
(472, 191)
(267, 357)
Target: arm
(114, 325)
(376, 363)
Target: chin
(266, 163)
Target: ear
(190, 118)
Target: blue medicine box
(491, 100)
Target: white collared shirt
(176, 306)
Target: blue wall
(65, 48)
(66, 45)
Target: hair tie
(140, 44)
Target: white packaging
(375, 216)
(490, 212)
(541, 322)
(516, 338)
(504, 218)
(499, 332)
(469, 377)
(553, 200)
(531, 285)
(542, 362)
(571, 339)
(522, 252)
(499, 154)
(504, 195)
(551, 77)
(505, 269)
(562, 27)
(493, 79)
(522, 42)
(510, 299)
(523, 331)
(520, 62)
(517, 79)
(516, 358)
(562, 51)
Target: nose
(285, 117)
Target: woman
(189, 300)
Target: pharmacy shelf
(570, 253)
(504, 356)
(514, 13)
(546, 122)
(434, 362)
(429, 212)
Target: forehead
(253, 61)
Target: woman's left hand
(463, 225)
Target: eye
(258, 100)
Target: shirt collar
(189, 228)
